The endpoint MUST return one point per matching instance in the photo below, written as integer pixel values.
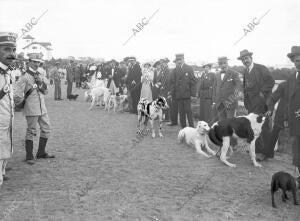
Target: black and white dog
(149, 111)
(243, 127)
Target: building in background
(31, 46)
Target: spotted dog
(150, 111)
(246, 128)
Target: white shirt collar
(32, 70)
(3, 66)
(251, 67)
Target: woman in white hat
(147, 79)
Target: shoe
(41, 151)
(29, 155)
(45, 156)
(260, 157)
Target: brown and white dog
(150, 111)
(117, 101)
(196, 137)
(243, 127)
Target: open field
(102, 171)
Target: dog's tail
(213, 136)
(181, 136)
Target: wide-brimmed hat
(164, 60)
(131, 58)
(147, 63)
(207, 65)
(35, 57)
(113, 61)
(295, 50)
(222, 59)
(8, 38)
(179, 56)
(156, 64)
(244, 53)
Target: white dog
(196, 137)
(97, 95)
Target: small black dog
(285, 182)
(73, 96)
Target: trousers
(44, 123)
(57, 89)
(69, 88)
(185, 111)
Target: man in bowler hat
(183, 87)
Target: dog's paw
(233, 165)
(160, 135)
(153, 135)
(213, 153)
(257, 164)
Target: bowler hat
(244, 53)
(295, 50)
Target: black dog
(285, 182)
(73, 96)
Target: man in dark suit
(70, 77)
(293, 101)
(205, 93)
(133, 83)
(172, 101)
(226, 89)
(258, 84)
(183, 87)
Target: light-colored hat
(147, 63)
(8, 38)
(35, 57)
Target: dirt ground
(102, 171)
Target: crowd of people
(218, 94)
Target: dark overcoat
(183, 82)
(258, 86)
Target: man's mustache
(11, 58)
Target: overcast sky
(202, 30)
